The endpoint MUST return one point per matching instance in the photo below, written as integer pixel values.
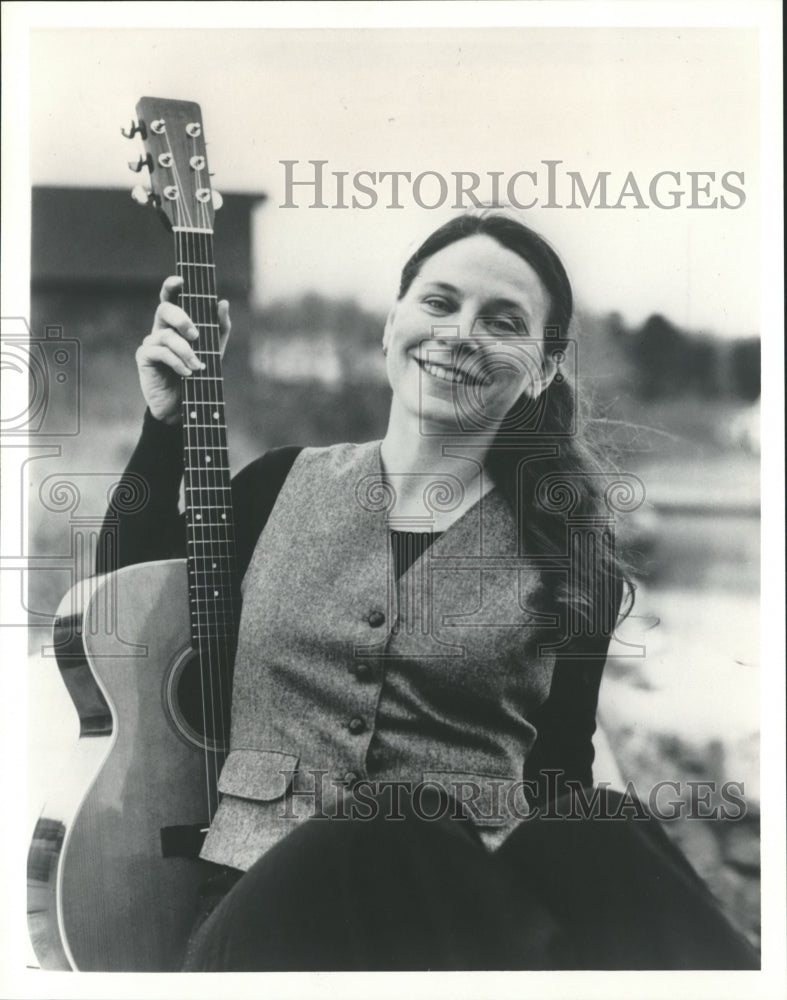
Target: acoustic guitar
(146, 654)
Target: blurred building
(98, 260)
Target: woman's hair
(547, 469)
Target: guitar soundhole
(199, 708)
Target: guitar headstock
(175, 154)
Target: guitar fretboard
(209, 527)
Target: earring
(385, 351)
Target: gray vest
(345, 675)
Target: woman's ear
(541, 377)
(388, 331)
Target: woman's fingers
(168, 351)
(171, 289)
(161, 354)
(176, 344)
(171, 321)
(172, 316)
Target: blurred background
(668, 332)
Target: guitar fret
(222, 609)
(188, 263)
(190, 229)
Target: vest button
(352, 778)
(376, 619)
(362, 671)
(356, 725)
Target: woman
(425, 622)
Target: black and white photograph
(393, 498)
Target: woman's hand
(166, 354)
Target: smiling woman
(424, 625)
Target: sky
(444, 99)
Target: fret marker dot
(214, 565)
(215, 593)
(215, 414)
(199, 517)
(207, 459)
(193, 414)
(224, 517)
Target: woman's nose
(461, 325)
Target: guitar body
(102, 894)
(146, 653)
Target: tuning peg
(141, 195)
(144, 161)
(136, 128)
(217, 200)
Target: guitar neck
(209, 522)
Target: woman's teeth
(446, 374)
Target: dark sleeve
(143, 522)
(566, 721)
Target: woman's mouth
(447, 373)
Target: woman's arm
(165, 357)
(566, 722)
(157, 529)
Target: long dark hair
(554, 477)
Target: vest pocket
(263, 775)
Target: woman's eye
(437, 303)
(507, 324)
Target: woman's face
(464, 342)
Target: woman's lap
(626, 897)
(417, 894)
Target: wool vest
(345, 676)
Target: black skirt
(425, 894)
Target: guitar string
(181, 212)
(226, 588)
(211, 623)
(222, 611)
(191, 395)
(221, 535)
(200, 544)
(192, 398)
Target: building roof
(101, 236)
